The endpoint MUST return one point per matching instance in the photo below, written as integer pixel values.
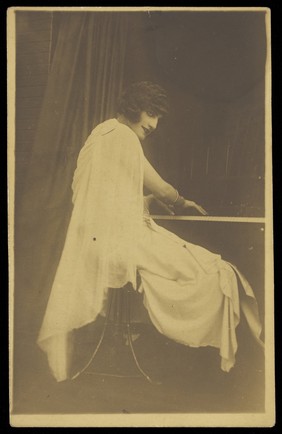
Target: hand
(168, 209)
(191, 204)
(151, 198)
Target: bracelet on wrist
(180, 201)
(177, 197)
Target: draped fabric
(192, 294)
(74, 241)
(100, 247)
(85, 80)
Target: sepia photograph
(141, 287)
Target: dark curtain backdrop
(85, 79)
(211, 145)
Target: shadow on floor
(191, 378)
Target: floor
(191, 380)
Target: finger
(166, 208)
(203, 211)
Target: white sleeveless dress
(190, 293)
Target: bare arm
(161, 189)
(165, 192)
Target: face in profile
(146, 125)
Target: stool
(118, 315)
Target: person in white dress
(190, 293)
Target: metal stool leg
(118, 297)
(128, 324)
(117, 320)
(110, 302)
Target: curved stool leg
(128, 323)
(118, 297)
(101, 338)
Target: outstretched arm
(161, 189)
(164, 191)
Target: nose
(153, 123)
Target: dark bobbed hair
(142, 96)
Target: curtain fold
(85, 80)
